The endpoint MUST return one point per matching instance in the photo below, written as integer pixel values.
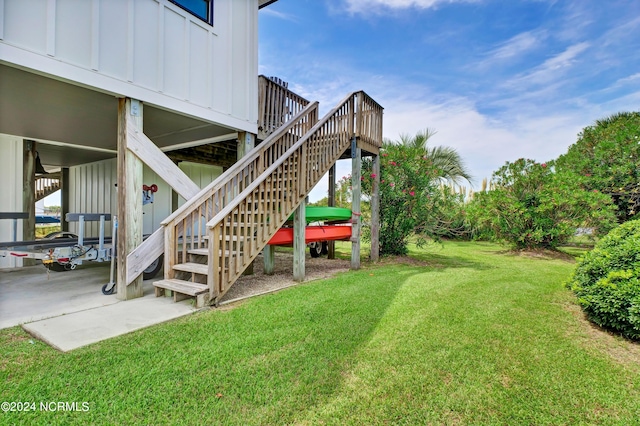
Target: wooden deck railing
(369, 123)
(277, 105)
(185, 229)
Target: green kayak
(325, 214)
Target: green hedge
(607, 281)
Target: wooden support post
(65, 190)
(356, 172)
(29, 194)
(269, 255)
(299, 244)
(332, 203)
(129, 198)
(246, 142)
(375, 210)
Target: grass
(43, 230)
(460, 334)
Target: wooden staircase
(47, 185)
(213, 238)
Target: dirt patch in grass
(541, 254)
(621, 350)
(259, 283)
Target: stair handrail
(235, 170)
(286, 181)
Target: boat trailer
(64, 251)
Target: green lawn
(464, 334)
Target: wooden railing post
(302, 171)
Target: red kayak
(284, 236)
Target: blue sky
(497, 79)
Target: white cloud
(515, 48)
(517, 45)
(632, 78)
(484, 143)
(369, 6)
(550, 70)
(622, 32)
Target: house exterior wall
(201, 174)
(10, 195)
(150, 50)
(92, 190)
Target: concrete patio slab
(68, 310)
(83, 328)
(31, 294)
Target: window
(203, 9)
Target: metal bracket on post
(135, 107)
(353, 147)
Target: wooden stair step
(197, 268)
(205, 252)
(181, 286)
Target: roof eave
(265, 3)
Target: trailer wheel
(325, 247)
(315, 249)
(107, 291)
(153, 269)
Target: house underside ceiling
(79, 125)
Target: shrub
(607, 281)
(606, 156)
(532, 206)
(407, 183)
(412, 201)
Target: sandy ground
(259, 283)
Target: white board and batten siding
(10, 195)
(150, 50)
(92, 190)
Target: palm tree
(450, 165)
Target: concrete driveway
(68, 310)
